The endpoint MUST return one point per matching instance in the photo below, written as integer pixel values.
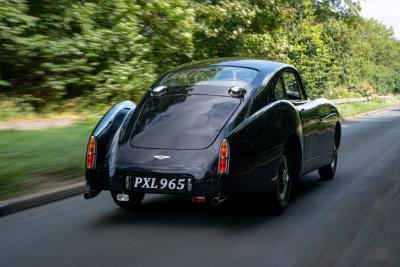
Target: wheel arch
(294, 150)
(338, 131)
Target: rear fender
(257, 143)
(104, 133)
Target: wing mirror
(159, 90)
(237, 91)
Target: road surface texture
(353, 220)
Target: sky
(385, 11)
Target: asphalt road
(353, 220)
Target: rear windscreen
(213, 75)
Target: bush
(107, 50)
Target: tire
(327, 172)
(134, 200)
(281, 194)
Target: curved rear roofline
(181, 122)
(256, 64)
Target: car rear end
(174, 143)
(174, 147)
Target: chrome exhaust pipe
(91, 194)
(215, 201)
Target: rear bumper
(224, 186)
(259, 180)
(206, 184)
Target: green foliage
(169, 25)
(107, 50)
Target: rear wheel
(134, 200)
(281, 195)
(327, 172)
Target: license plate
(152, 184)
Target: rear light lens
(223, 160)
(91, 153)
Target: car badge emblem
(161, 157)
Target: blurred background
(64, 63)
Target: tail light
(223, 160)
(91, 153)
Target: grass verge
(353, 109)
(30, 160)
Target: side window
(279, 90)
(293, 91)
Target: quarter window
(279, 89)
(293, 91)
